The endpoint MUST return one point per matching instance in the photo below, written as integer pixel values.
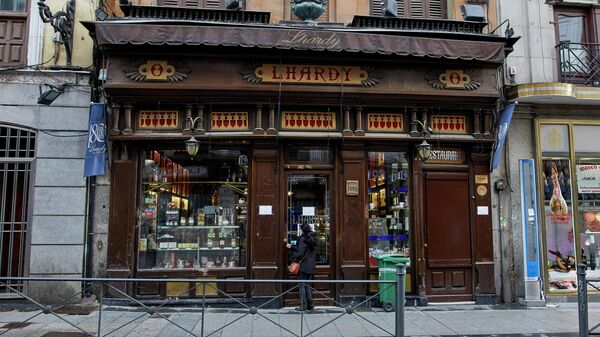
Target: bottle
(558, 205)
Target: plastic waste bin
(387, 272)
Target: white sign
(308, 211)
(588, 178)
(265, 210)
(483, 210)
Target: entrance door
(309, 201)
(448, 237)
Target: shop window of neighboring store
(432, 9)
(13, 29)
(587, 177)
(557, 204)
(387, 184)
(194, 210)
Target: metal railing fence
(579, 63)
(200, 329)
(582, 302)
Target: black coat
(308, 264)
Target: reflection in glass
(308, 202)
(194, 211)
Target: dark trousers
(306, 300)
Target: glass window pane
(558, 211)
(12, 5)
(387, 177)
(310, 155)
(194, 210)
(586, 139)
(571, 28)
(554, 139)
(587, 172)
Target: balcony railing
(579, 63)
(195, 14)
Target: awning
(316, 39)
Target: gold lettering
(290, 71)
(305, 71)
(276, 75)
(319, 73)
(347, 72)
(332, 72)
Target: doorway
(309, 200)
(447, 231)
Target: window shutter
(416, 8)
(169, 3)
(435, 9)
(190, 3)
(376, 8)
(214, 4)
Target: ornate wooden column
(264, 235)
(353, 222)
(359, 131)
(347, 131)
(477, 123)
(128, 129)
(413, 127)
(187, 122)
(200, 123)
(272, 130)
(258, 129)
(115, 114)
(487, 124)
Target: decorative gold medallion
(482, 190)
(452, 79)
(155, 70)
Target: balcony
(579, 63)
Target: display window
(387, 188)
(194, 210)
(570, 173)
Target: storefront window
(587, 169)
(558, 206)
(194, 210)
(387, 178)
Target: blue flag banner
(95, 154)
(501, 132)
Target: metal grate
(17, 150)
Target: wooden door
(309, 200)
(448, 250)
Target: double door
(309, 200)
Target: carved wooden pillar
(266, 241)
(413, 126)
(360, 131)
(116, 111)
(127, 130)
(272, 130)
(425, 119)
(477, 123)
(258, 129)
(353, 223)
(187, 123)
(200, 124)
(487, 124)
(347, 131)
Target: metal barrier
(200, 328)
(582, 302)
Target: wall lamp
(423, 149)
(48, 96)
(192, 145)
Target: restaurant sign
(311, 74)
(447, 156)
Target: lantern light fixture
(423, 149)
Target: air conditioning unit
(472, 13)
(389, 8)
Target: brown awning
(317, 39)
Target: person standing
(305, 254)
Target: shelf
(195, 249)
(197, 227)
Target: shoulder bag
(294, 268)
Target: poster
(588, 178)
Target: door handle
(425, 245)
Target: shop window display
(387, 180)
(194, 210)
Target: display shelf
(198, 227)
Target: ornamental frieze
(449, 124)
(155, 70)
(229, 121)
(308, 120)
(385, 122)
(156, 120)
(311, 74)
(456, 79)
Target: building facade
(300, 123)
(43, 202)
(553, 149)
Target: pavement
(509, 320)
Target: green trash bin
(387, 272)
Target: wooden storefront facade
(300, 123)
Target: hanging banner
(501, 132)
(95, 154)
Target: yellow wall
(339, 10)
(82, 42)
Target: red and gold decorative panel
(385, 122)
(449, 124)
(308, 120)
(158, 120)
(229, 121)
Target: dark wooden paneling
(266, 247)
(121, 221)
(448, 235)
